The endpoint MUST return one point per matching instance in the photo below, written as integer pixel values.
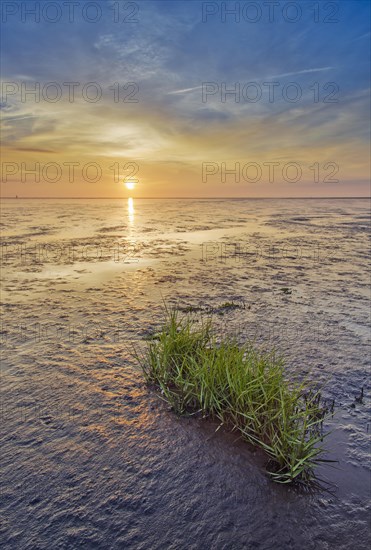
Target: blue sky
(169, 53)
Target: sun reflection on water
(131, 211)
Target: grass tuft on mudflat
(242, 386)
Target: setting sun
(130, 185)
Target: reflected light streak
(131, 211)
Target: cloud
(304, 71)
(34, 150)
(185, 90)
(257, 79)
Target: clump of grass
(242, 386)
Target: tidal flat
(91, 457)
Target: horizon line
(183, 198)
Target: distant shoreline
(186, 198)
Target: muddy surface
(91, 457)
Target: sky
(131, 98)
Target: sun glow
(130, 185)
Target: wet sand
(90, 456)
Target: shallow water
(92, 458)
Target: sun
(130, 185)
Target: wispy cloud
(185, 90)
(258, 79)
(304, 71)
